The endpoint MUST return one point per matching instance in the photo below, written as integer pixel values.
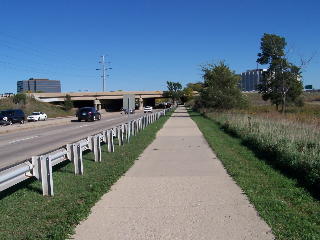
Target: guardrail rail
(40, 167)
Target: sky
(147, 43)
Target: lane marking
(22, 139)
(88, 125)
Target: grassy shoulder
(26, 214)
(289, 209)
(33, 105)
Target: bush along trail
(287, 206)
(26, 214)
(290, 146)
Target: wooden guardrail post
(77, 158)
(119, 130)
(90, 142)
(104, 137)
(122, 133)
(36, 171)
(97, 148)
(46, 175)
(128, 132)
(110, 140)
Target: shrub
(293, 147)
(68, 104)
(20, 98)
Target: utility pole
(103, 69)
(103, 72)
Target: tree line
(281, 83)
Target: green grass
(33, 105)
(288, 208)
(26, 214)
(292, 147)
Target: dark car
(127, 111)
(88, 114)
(14, 115)
(4, 121)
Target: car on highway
(37, 116)
(14, 115)
(4, 120)
(126, 111)
(88, 114)
(131, 111)
(147, 109)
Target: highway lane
(18, 146)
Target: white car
(37, 116)
(147, 109)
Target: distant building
(39, 85)
(250, 79)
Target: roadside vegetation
(292, 147)
(30, 104)
(287, 207)
(267, 140)
(26, 214)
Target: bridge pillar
(140, 103)
(97, 104)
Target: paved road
(178, 189)
(18, 146)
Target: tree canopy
(281, 83)
(220, 88)
(174, 91)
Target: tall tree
(281, 83)
(174, 91)
(195, 86)
(220, 88)
(68, 104)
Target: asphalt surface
(178, 189)
(20, 145)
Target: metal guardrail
(40, 167)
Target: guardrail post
(36, 170)
(46, 175)
(69, 152)
(125, 132)
(140, 124)
(97, 148)
(90, 142)
(119, 135)
(77, 159)
(110, 140)
(122, 134)
(128, 132)
(104, 137)
(133, 127)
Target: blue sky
(147, 42)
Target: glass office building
(39, 85)
(250, 79)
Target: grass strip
(26, 214)
(288, 208)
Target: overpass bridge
(107, 100)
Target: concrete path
(177, 189)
